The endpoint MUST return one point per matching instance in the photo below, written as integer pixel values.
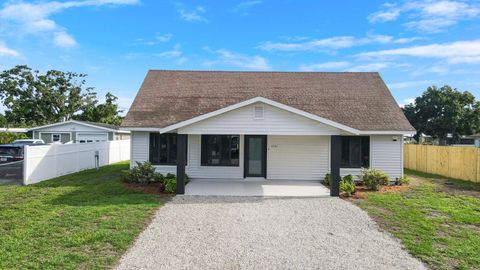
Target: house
(476, 138)
(78, 132)
(272, 125)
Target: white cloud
(332, 43)
(456, 52)
(34, 18)
(324, 66)
(174, 53)
(371, 67)
(193, 15)
(406, 102)
(408, 84)
(157, 40)
(6, 51)
(225, 57)
(427, 15)
(63, 40)
(245, 5)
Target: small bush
(347, 185)
(8, 137)
(143, 173)
(373, 178)
(326, 180)
(170, 185)
(404, 180)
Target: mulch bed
(154, 188)
(361, 191)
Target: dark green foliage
(404, 180)
(347, 185)
(32, 98)
(374, 178)
(441, 111)
(326, 180)
(143, 173)
(8, 137)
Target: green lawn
(437, 220)
(85, 220)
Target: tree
(442, 111)
(107, 112)
(32, 98)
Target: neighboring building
(476, 138)
(78, 132)
(14, 130)
(272, 125)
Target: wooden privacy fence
(456, 162)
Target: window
(220, 150)
(163, 149)
(258, 112)
(355, 152)
(55, 137)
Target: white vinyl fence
(49, 161)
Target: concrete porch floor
(267, 188)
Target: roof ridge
(262, 71)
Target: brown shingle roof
(360, 100)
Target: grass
(85, 220)
(437, 219)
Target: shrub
(326, 180)
(373, 178)
(170, 182)
(347, 185)
(8, 137)
(143, 173)
(404, 180)
(170, 185)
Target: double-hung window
(163, 149)
(355, 152)
(220, 150)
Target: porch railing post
(181, 160)
(335, 158)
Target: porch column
(181, 160)
(335, 158)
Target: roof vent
(258, 112)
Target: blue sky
(413, 44)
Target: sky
(412, 44)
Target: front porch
(253, 188)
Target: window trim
(59, 137)
(168, 148)
(349, 166)
(202, 152)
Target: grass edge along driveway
(85, 220)
(437, 219)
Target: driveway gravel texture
(192, 232)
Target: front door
(255, 156)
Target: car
(11, 160)
(28, 142)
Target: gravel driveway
(264, 233)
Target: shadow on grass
(447, 181)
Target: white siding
(275, 122)
(139, 147)
(387, 154)
(298, 157)
(355, 172)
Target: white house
(79, 132)
(272, 125)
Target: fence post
(25, 164)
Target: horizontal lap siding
(387, 155)
(298, 157)
(275, 122)
(140, 145)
